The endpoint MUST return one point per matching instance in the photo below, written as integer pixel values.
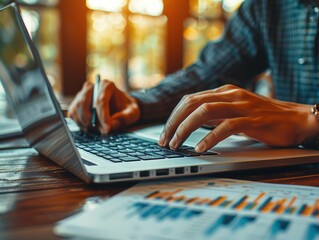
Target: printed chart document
(202, 208)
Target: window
(42, 21)
(206, 23)
(126, 41)
(134, 43)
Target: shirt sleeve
(235, 58)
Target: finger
(185, 107)
(201, 115)
(102, 104)
(222, 131)
(189, 103)
(77, 99)
(87, 85)
(80, 108)
(121, 119)
(75, 118)
(213, 123)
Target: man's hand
(234, 110)
(115, 109)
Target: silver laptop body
(39, 114)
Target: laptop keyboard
(126, 148)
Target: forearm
(157, 103)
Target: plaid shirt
(278, 35)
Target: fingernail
(162, 139)
(200, 147)
(173, 144)
(105, 129)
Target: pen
(94, 98)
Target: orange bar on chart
(307, 211)
(192, 200)
(281, 207)
(219, 201)
(167, 195)
(203, 201)
(242, 204)
(292, 201)
(153, 195)
(259, 197)
(268, 207)
(176, 198)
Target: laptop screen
(22, 75)
(26, 85)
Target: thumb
(123, 118)
(116, 123)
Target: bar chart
(204, 209)
(217, 223)
(276, 202)
(163, 212)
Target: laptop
(126, 156)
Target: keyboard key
(115, 160)
(126, 151)
(136, 154)
(187, 153)
(119, 155)
(100, 148)
(129, 159)
(87, 149)
(151, 157)
(167, 153)
(94, 151)
(174, 156)
(109, 151)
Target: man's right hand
(115, 109)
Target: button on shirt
(280, 36)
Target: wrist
(312, 134)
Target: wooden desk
(35, 193)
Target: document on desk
(202, 208)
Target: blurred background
(134, 43)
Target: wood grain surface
(35, 193)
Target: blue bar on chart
(313, 232)
(278, 226)
(222, 221)
(146, 211)
(242, 222)
(265, 204)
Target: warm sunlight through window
(207, 22)
(106, 5)
(147, 7)
(133, 43)
(132, 54)
(231, 5)
(42, 25)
